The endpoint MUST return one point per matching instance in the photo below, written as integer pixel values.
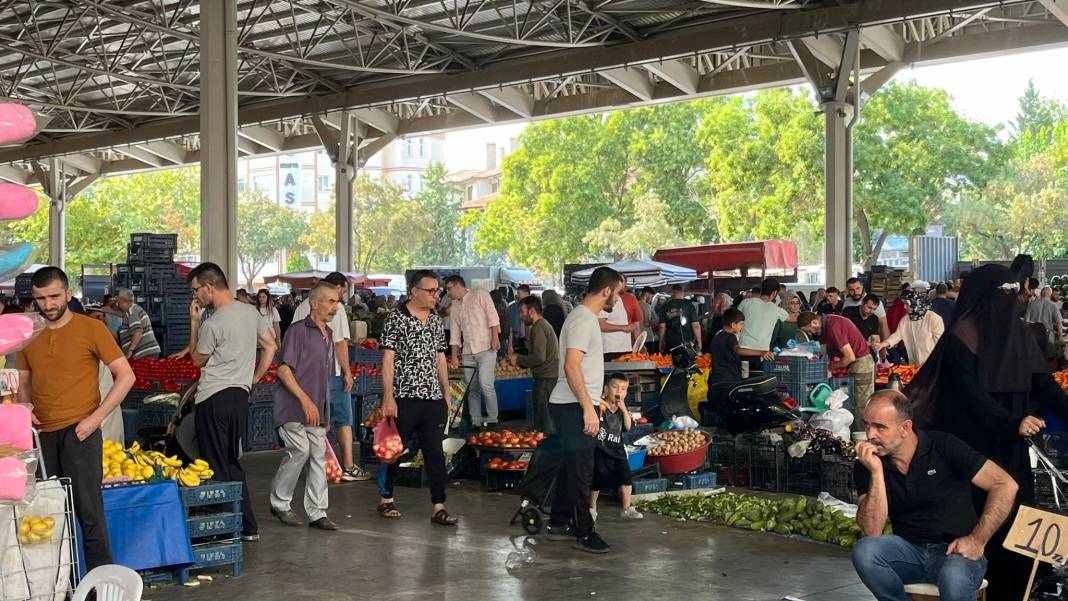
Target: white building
(305, 181)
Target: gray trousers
(483, 390)
(303, 445)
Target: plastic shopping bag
(333, 466)
(388, 446)
(837, 418)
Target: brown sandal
(442, 518)
(389, 510)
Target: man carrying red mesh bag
(415, 377)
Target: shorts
(609, 472)
(340, 403)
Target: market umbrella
(641, 273)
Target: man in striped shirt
(135, 334)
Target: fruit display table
(512, 393)
(147, 526)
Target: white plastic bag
(684, 423)
(836, 419)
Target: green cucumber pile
(792, 516)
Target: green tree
(439, 200)
(264, 229)
(572, 178)
(1025, 211)
(1037, 116)
(389, 227)
(297, 261)
(101, 219)
(913, 153)
(319, 237)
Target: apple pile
(390, 449)
(506, 439)
(373, 419)
(498, 463)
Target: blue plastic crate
(369, 385)
(260, 433)
(136, 398)
(214, 524)
(797, 370)
(643, 428)
(211, 493)
(846, 382)
(217, 554)
(154, 416)
(366, 356)
(262, 392)
(647, 486)
(705, 480)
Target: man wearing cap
(341, 383)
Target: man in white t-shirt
(855, 294)
(572, 406)
(761, 315)
(616, 331)
(341, 383)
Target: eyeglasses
(429, 290)
(197, 288)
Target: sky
(986, 89)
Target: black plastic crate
(502, 479)
(367, 455)
(730, 461)
(837, 478)
(804, 474)
(767, 470)
(136, 398)
(263, 392)
(408, 475)
(152, 239)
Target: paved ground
(374, 558)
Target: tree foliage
(439, 201)
(264, 229)
(389, 227)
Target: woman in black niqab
(982, 379)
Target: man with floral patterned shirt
(415, 377)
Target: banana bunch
(136, 464)
(194, 473)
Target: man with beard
(985, 382)
(542, 359)
(922, 481)
(224, 349)
(574, 412)
(58, 376)
(855, 297)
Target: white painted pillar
(838, 181)
(345, 173)
(57, 214)
(218, 135)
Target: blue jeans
(886, 564)
(340, 403)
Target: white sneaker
(593, 514)
(631, 514)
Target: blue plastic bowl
(637, 459)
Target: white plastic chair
(111, 583)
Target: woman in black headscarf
(985, 382)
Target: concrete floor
(375, 558)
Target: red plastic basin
(680, 463)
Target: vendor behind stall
(848, 350)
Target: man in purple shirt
(300, 410)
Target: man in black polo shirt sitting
(922, 482)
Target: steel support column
(345, 167)
(838, 181)
(57, 214)
(218, 135)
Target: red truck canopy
(762, 255)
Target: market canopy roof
(118, 81)
(762, 255)
(642, 273)
(306, 279)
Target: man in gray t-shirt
(1044, 311)
(224, 349)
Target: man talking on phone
(922, 482)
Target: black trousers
(67, 457)
(571, 501)
(425, 419)
(539, 398)
(220, 423)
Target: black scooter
(754, 405)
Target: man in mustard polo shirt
(58, 375)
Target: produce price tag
(1039, 535)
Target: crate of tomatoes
(166, 375)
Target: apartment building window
(470, 193)
(409, 148)
(324, 183)
(496, 185)
(422, 148)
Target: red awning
(303, 280)
(763, 254)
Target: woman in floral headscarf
(920, 330)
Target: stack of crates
(158, 287)
(260, 434)
(24, 286)
(797, 375)
(213, 516)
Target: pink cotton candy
(16, 123)
(16, 329)
(15, 426)
(16, 202)
(12, 479)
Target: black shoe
(560, 533)
(593, 543)
(288, 517)
(323, 524)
